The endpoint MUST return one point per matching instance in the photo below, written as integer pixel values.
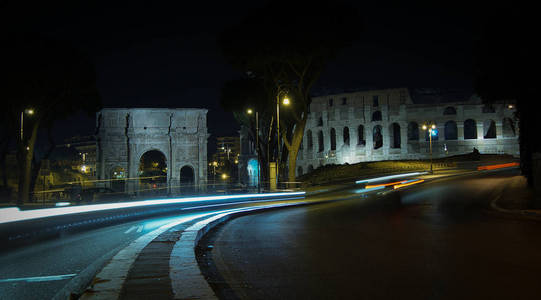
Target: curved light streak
(377, 179)
(13, 214)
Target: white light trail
(13, 214)
(377, 179)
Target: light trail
(378, 179)
(408, 183)
(498, 166)
(13, 214)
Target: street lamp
(431, 131)
(250, 111)
(27, 111)
(285, 101)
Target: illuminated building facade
(124, 135)
(386, 124)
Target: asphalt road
(54, 267)
(431, 241)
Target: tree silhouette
(287, 45)
(54, 79)
(507, 54)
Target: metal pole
(22, 118)
(430, 138)
(278, 134)
(257, 149)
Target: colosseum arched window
(377, 137)
(470, 129)
(333, 139)
(451, 132)
(345, 135)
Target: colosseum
(387, 124)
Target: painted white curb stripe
(187, 281)
(108, 283)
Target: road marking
(130, 230)
(39, 278)
(140, 229)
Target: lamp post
(285, 102)
(250, 111)
(28, 111)
(431, 129)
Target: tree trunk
(24, 180)
(292, 157)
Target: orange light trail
(384, 184)
(408, 183)
(493, 167)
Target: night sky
(150, 54)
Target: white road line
(131, 229)
(39, 278)
(140, 229)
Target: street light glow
(286, 101)
(29, 111)
(249, 111)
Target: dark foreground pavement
(433, 241)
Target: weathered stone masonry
(386, 125)
(125, 134)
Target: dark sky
(155, 54)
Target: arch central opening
(153, 173)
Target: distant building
(373, 125)
(386, 124)
(85, 146)
(225, 159)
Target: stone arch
(118, 177)
(321, 145)
(376, 116)
(310, 141)
(449, 110)
(360, 135)
(489, 129)
(187, 179)
(451, 131)
(310, 169)
(394, 138)
(508, 128)
(333, 139)
(377, 137)
(152, 171)
(345, 135)
(470, 129)
(413, 131)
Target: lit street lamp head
(286, 101)
(249, 111)
(29, 111)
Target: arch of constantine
(125, 135)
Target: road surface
(432, 241)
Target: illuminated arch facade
(124, 135)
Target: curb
(517, 212)
(187, 281)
